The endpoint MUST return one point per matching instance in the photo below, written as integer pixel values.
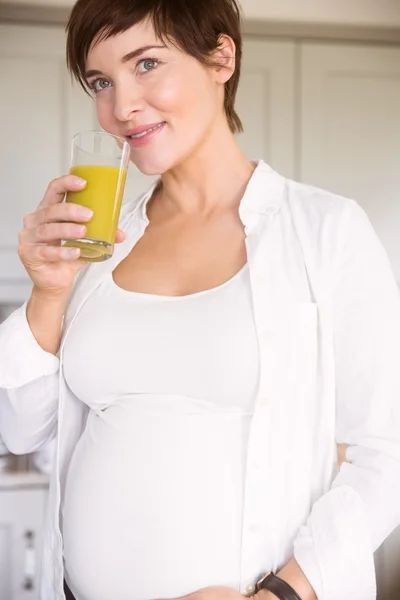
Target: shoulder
(299, 201)
(324, 216)
(325, 224)
(316, 204)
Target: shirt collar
(265, 191)
(263, 195)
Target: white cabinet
(22, 507)
(350, 124)
(266, 103)
(39, 111)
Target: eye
(99, 84)
(148, 64)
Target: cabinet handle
(29, 561)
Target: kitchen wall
(328, 114)
(374, 13)
(377, 13)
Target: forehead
(117, 46)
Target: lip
(142, 128)
(142, 141)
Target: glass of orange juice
(102, 160)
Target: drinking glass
(102, 160)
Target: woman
(252, 324)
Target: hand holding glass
(102, 160)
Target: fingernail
(86, 213)
(79, 181)
(70, 252)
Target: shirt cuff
(334, 548)
(22, 360)
(304, 553)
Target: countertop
(23, 480)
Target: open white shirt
(327, 314)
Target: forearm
(45, 316)
(294, 576)
(291, 572)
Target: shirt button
(250, 589)
(264, 401)
(260, 279)
(266, 334)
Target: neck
(213, 178)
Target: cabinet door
(21, 525)
(350, 128)
(350, 144)
(40, 110)
(266, 103)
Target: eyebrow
(125, 59)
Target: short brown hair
(193, 25)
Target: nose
(128, 101)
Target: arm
(291, 572)
(335, 548)
(30, 337)
(28, 387)
(45, 316)
(294, 576)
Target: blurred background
(320, 102)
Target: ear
(224, 59)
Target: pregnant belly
(153, 501)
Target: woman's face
(161, 96)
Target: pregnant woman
(200, 382)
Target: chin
(153, 165)
(159, 158)
(149, 167)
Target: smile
(140, 135)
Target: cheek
(101, 115)
(183, 94)
(105, 113)
(167, 95)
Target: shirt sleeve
(22, 360)
(335, 548)
(28, 387)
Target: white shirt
(327, 314)
(156, 480)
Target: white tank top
(153, 501)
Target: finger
(120, 236)
(52, 232)
(341, 452)
(36, 254)
(57, 189)
(58, 213)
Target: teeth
(140, 135)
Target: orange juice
(103, 195)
